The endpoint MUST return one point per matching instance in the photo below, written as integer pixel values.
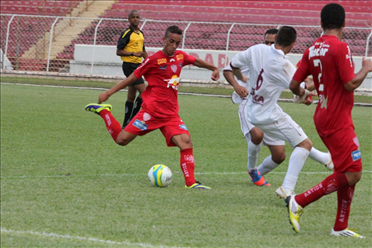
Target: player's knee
(307, 144)
(256, 136)
(278, 157)
(353, 177)
(122, 142)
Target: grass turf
(62, 174)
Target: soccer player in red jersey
(160, 104)
(330, 63)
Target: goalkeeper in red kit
(160, 105)
(330, 63)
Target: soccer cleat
(257, 178)
(294, 212)
(346, 233)
(197, 185)
(96, 108)
(283, 193)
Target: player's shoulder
(126, 32)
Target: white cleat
(346, 233)
(284, 193)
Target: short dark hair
(271, 31)
(131, 13)
(173, 30)
(332, 16)
(286, 36)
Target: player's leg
(254, 137)
(175, 132)
(322, 157)
(138, 102)
(296, 163)
(274, 160)
(344, 147)
(288, 130)
(131, 95)
(120, 136)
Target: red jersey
(330, 62)
(163, 76)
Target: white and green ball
(160, 175)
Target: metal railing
(46, 43)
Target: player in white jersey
(270, 74)
(253, 134)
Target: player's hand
(103, 97)
(241, 91)
(138, 54)
(215, 75)
(367, 63)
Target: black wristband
(131, 54)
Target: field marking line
(97, 240)
(141, 174)
(179, 93)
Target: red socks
(112, 125)
(187, 166)
(330, 184)
(344, 199)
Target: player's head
(332, 16)
(270, 36)
(134, 18)
(286, 37)
(172, 39)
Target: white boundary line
(97, 240)
(179, 93)
(141, 174)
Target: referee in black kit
(131, 49)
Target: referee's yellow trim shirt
(131, 41)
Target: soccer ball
(160, 175)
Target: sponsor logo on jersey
(183, 126)
(162, 61)
(179, 56)
(180, 65)
(174, 82)
(163, 67)
(140, 125)
(356, 155)
(319, 51)
(172, 60)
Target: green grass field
(65, 183)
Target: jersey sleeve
(123, 39)
(303, 69)
(241, 59)
(144, 67)
(345, 63)
(188, 59)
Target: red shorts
(345, 150)
(144, 123)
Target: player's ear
(344, 24)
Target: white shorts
(285, 129)
(246, 127)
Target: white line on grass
(180, 93)
(141, 174)
(97, 240)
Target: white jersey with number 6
(273, 78)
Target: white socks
(296, 162)
(253, 151)
(267, 165)
(321, 157)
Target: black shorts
(128, 68)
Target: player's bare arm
(105, 95)
(201, 63)
(360, 76)
(238, 74)
(240, 90)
